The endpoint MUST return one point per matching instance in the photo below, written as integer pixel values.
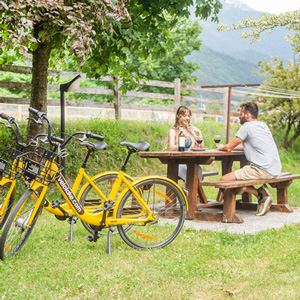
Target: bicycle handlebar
(16, 129)
(40, 114)
(53, 140)
(6, 117)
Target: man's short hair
(250, 107)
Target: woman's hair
(182, 110)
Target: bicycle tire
(15, 232)
(91, 198)
(6, 210)
(165, 201)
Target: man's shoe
(263, 191)
(264, 201)
(264, 205)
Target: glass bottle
(181, 140)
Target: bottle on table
(181, 140)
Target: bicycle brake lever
(6, 125)
(82, 139)
(44, 141)
(39, 122)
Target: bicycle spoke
(165, 221)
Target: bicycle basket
(39, 165)
(8, 167)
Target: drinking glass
(217, 139)
(199, 140)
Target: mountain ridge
(230, 57)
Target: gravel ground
(252, 224)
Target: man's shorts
(252, 172)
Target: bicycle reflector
(145, 236)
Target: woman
(183, 117)
(192, 133)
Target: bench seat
(242, 183)
(229, 189)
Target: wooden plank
(15, 85)
(149, 95)
(16, 69)
(240, 183)
(215, 217)
(210, 203)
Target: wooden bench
(229, 189)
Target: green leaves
(285, 112)
(253, 28)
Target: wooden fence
(118, 109)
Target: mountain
(226, 58)
(219, 68)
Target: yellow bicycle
(9, 172)
(8, 168)
(148, 213)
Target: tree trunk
(38, 98)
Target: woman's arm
(172, 138)
(197, 132)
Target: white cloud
(272, 6)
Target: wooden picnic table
(193, 159)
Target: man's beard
(243, 120)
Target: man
(255, 138)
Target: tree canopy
(282, 111)
(99, 35)
(253, 28)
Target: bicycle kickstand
(71, 221)
(110, 232)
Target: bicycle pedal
(55, 203)
(108, 205)
(92, 237)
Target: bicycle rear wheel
(16, 230)
(90, 199)
(167, 205)
(6, 205)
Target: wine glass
(217, 139)
(199, 140)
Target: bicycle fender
(141, 179)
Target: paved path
(252, 223)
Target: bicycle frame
(4, 181)
(95, 219)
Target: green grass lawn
(197, 265)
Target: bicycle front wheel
(168, 209)
(6, 202)
(16, 230)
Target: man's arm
(234, 144)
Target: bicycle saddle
(98, 145)
(141, 146)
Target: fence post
(225, 105)
(176, 93)
(118, 99)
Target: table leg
(172, 171)
(192, 187)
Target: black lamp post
(66, 87)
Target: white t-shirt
(260, 147)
